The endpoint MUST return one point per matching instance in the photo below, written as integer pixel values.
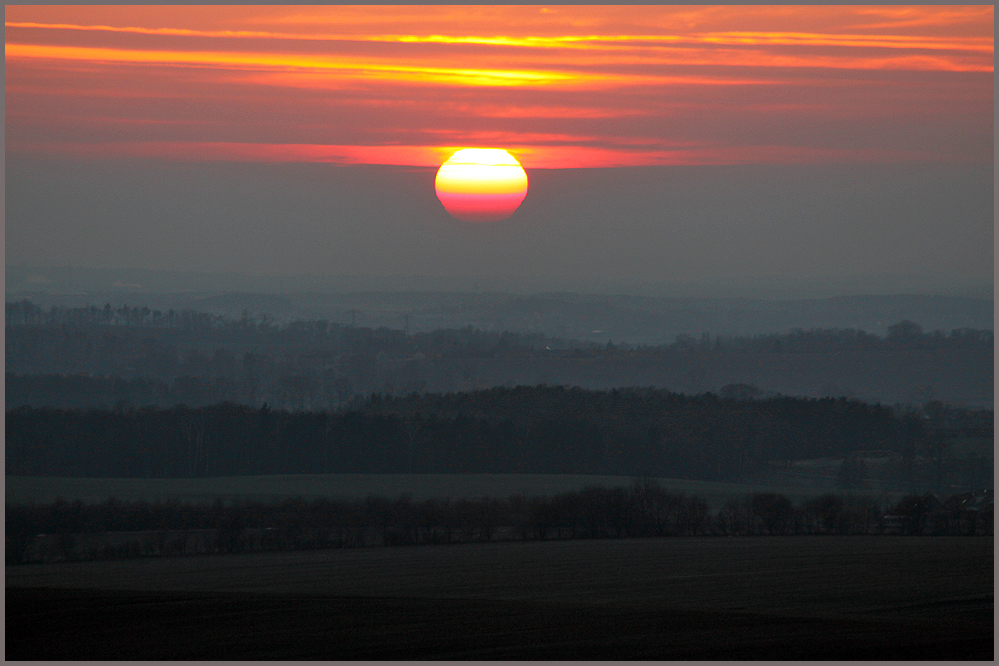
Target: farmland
(46, 489)
(822, 597)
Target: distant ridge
(424, 304)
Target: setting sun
(481, 184)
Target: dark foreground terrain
(916, 598)
(104, 625)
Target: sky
(662, 144)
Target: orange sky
(559, 86)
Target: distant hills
(425, 305)
(92, 356)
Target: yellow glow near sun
(481, 184)
(482, 171)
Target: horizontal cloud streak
(531, 156)
(630, 86)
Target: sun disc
(481, 185)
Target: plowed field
(697, 598)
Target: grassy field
(44, 489)
(685, 598)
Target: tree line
(67, 357)
(538, 430)
(74, 530)
(463, 341)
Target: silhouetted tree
(774, 511)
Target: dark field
(881, 597)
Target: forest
(540, 430)
(100, 357)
